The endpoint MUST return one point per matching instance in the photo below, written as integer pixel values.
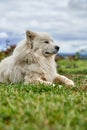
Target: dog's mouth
(47, 54)
(50, 53)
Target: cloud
(72, 46)
(66, 20)
(39, 15)
(3, 35)
(78, 5)
(79, 8)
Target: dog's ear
(30, 35)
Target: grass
(41, 107)
(73, 67)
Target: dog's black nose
(57, 48)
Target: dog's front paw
(70, 83)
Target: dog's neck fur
(48, 66)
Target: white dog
(33, 62)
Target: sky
(65, 20)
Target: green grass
(41, 107)
(76, 67)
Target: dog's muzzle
(50, 52)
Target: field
(41, 107)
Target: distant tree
(83, 51)
(7, 52)
(9, 49)
(77, 55)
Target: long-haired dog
(33, 61)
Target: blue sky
(65, 20)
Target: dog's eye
(46, 42)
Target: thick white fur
(32, 62)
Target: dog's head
(41, 43)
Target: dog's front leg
(44, 82)
(63, 79)
(38, 81)
(35, 80)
